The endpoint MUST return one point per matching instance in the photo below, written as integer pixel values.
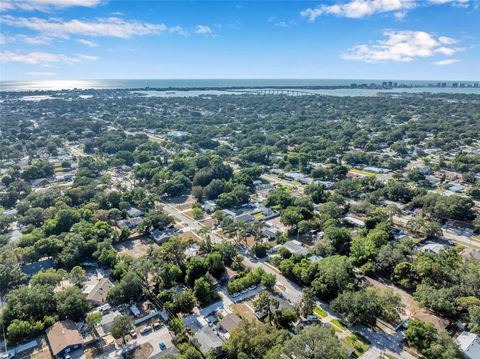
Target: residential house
(432, 247)
(162, 236)
(131, 223)
(354, 221)
(469, 344)
(63, 337)
(294, 176)
(98, 295)
(209, 206)
(433, 181)
(208, 340)
(270, 231)
(135, 212)
(296, 247)
(107, 322)
(229, 323)
(376, 169)
(471, 254)
(35, 267)
(456, 188)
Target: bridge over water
(264, 92)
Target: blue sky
(350, 39)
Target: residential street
(380, 341)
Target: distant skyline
(338, 39)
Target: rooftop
(62, 335)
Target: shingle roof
(230, 322)
(98, 294)
(62, 335)
(208, 340)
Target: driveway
(154, 338)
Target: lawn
(319, 312)
(259, 216)
(339, 324)
(335, 328)
(359, 346)
(366, 173)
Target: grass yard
(319, 312)
(335, 328)
(366, 173)
(339, 324)
(359, 347)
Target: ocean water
(419, 86)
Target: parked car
(157, 325)
(162, 346)
(145, 330)
(133, 333)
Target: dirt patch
(276, 222)
(182, 203)
(411, 305)
(189, 236)
(143, 351)
(244, 312)
(184, 206)
(208, 222)
(250, 241)
(42, 352)
(135, 247)
(189, 214)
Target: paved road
(462, 240)
(191, 223)
(381, 342)
(291, 291)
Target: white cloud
(400, 14)
(461, 3)
(401, 46)
(87, 43)
(45, 5)
(445, 62)
(447, 40)
(359, 8)
(112, 26)
(43, 58)
(203, 29)
(41, 73)
(34, 40)
(30, 40)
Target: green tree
(253, 341)
(29, 303)
(269, 280)
(308, 304)
(420, 335)
(266, 304)
(197, 267)
(121, 327)
(72, 304)
(216, 266)
(334, 274)
(285, 317)
(185, 301)
(19, 331)
(93, 319)
(315, 342)
(204, 291)
(77, 275)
